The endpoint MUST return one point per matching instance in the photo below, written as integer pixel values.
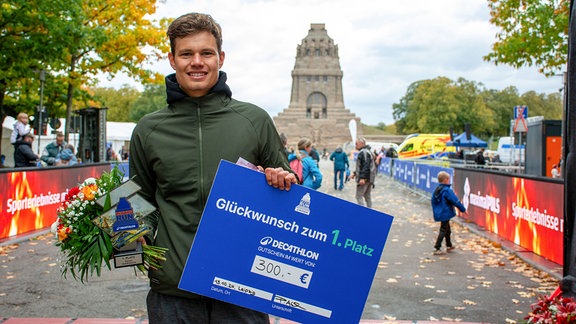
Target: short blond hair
(442, 176)
(22, 114)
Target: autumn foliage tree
(433, 106)
(112, 36)
(75, 42)
(531, 33)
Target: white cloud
(384, 46)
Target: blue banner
(426, 176)
(404, 171)
(299, 254)
(385, 166)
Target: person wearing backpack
(304, 165)
(365, 173)
(443, 202)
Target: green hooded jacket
(174, 156)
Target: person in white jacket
(20, 129)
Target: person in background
(362, 173)
(460, 154)
(24, 156)
(443, 202)
(111, 155)
(284, 139)
(340, 165)
(555, 171)
(314, 155)
(66, 156)
(311, 175)
(391, 153)
(20, 128)
(51, 150)
(124, 154)
(480, 159)
(174, 156)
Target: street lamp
(41, 108)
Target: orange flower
(89, 191)
(63, 233)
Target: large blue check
(299, 254)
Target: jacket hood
(438, 191)
(175, 93)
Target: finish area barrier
(528, 211)
(31, 196)
(525, 210)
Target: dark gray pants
(444, 233)
(363, 192)
(169, 309)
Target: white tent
(118, 135)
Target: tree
(432, 106)
(152, 99)
(502, 103)
(26, 49)
(400, 110)
(74, 41)
(109, 36)
(118, 101)
(532, 33)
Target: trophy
(123, 221)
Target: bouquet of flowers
(84, 241)
(556, 309)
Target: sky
(384, 46)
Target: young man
(363, 173)
(443, 202)
(175, 153)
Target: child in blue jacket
(443, 202)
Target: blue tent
(462, 141)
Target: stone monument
(316, 107)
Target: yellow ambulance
(425, 146)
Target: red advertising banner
(528, 212)
(29, 198)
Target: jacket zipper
(200, 149)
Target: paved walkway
(141, 321)
(486, 280)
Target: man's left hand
(280, 178)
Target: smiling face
(196, 61)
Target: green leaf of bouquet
(107, 202)
(105, 249)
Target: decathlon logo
(266, 240)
